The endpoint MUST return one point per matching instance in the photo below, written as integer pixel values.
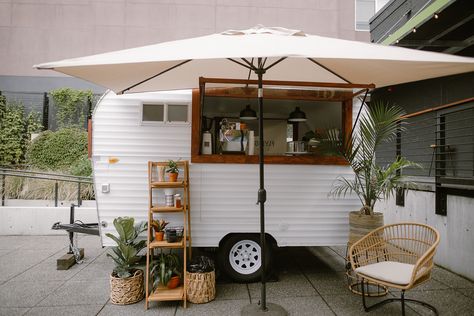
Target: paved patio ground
(311, 281)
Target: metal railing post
(79, 200)
(400, 193)
(56, 188)
(3, 188)
(45, 111)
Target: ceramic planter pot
(172, 177)
(159, 236)
(173, 282)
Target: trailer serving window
(160, 113)
(297, 120)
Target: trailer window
(153, 113)
(221, 135)
(164, 113)
(177, 113)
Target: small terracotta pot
(172, 177)
(173, 282)
(159, 236)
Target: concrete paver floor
(311, 281)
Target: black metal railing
(441, 140)
(43, 104)
(56, 178)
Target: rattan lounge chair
(398, 256)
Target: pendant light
(248, 114)
(297, 115)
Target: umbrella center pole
(262, 308)
(262, 193)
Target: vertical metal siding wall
(223, 196)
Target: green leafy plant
(164, 268)
(372, 182)
(159, 225)
(71, 107)
(15, 131)
(125, 254)
(81, 167)
(172, 167)
(58, 150)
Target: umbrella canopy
(307, 58)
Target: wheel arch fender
(268, 237)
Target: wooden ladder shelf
(162, 293)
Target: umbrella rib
(250, 67)
(326, 68)
(276, 62)
(154, 76)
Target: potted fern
(126, 280)
(371, 182)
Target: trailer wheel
(240, 257)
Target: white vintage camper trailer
(130, 130)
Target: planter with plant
(371, 181)
(126, 280)
(166, 271)
(159, 228)
(172, 171)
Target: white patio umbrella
(276, 53)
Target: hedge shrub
(58, 150)
(15, 131)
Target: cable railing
(55, 178)
(441, 141)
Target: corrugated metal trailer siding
(223, 196)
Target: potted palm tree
(126, 280)
(371, 181)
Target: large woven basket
(127, 291)
(201, 287)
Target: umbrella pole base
(272, 309)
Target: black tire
(240, 270)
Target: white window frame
(355, 16)
(377, 7)
(165, 113)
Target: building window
(365, 10)
(164, 113)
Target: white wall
(35, 217)
(456, 249)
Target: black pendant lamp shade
(297, 115)
(248, 113)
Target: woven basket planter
(201, 287)
(127, 291)
(361, 224)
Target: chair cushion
(388, 271)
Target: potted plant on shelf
(166, 271)
(126, 280)
(371, 181)
(172, 171)
(159, 228)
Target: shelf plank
(165, 244)
(162, 293)
(166, 209)
(164, 185)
